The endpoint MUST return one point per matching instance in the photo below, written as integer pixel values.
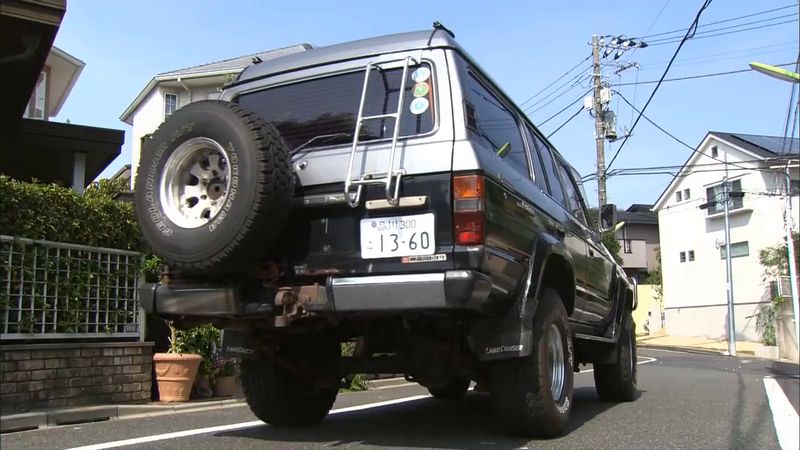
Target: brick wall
(36, 376)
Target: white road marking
(233, 426)
(647, 360)
(256, 423)
(784, 416)
(393, 386)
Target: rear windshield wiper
(319, 138)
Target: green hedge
(55, 213)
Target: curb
(704, 351)
(85, 414)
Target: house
(638, 240)
(168, 91)
(693, 239)
(53, 152)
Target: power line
(689, 34)
(731, 27)
(702, 75)
(721, 21)
(722, 56)
(731, 32)
(565, 122)
(574, 82)
(554, 81)
(694, 150)
(564, 109)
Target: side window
(550, 169)
(538, 169)
(495, 125)
(581, 190)
(573, 198)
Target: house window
(691, 255)
(626, 246)
(715, 193)
(714, 152)
(683, 256)
(37, 105)
(738, 249)
(678, 196)
(794, 187)
(686, 195)
(170, 104)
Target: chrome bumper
(450, 290)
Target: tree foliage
(56, 213)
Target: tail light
(469, 195)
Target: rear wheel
(617, 381)
(455, 390)
(282, 398)
(532, 396)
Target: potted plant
(177, 369)
(224, 375)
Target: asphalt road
(686, 401)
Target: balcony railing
(52, 290)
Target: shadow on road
(427, 422)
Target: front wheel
(456, 389)
(616, 381)
(532, 396)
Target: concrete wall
(648, 314)
(150, 114)
(695, 291)
(145, 120)
(37, 376)
(712, 321)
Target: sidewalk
(82, 414)
(718, 346)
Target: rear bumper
(450, 290)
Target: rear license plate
(386, 237)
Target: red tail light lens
(468, 209)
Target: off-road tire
(255, 208)
(521, 387)
(455, 390)
(281, 398)
(616, 381)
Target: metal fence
(52, 290)
(784, 289)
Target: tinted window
(573, 198)
(325, 109)
(495, 124)
(538, 170)
(550, 169)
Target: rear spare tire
(213, 188)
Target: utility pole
(728, 272)
(599, 126)
(790, 250)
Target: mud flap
(239, 344)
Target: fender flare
(511, 335)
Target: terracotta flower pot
(225, 386)
(175, 374)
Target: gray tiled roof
(764, 146)
(237, 63)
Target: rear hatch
(316, 111)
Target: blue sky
(522, 45)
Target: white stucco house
(692, 239)
(166, 92)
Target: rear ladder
(391, 174)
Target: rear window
(323, 111)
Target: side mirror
(608, 217)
